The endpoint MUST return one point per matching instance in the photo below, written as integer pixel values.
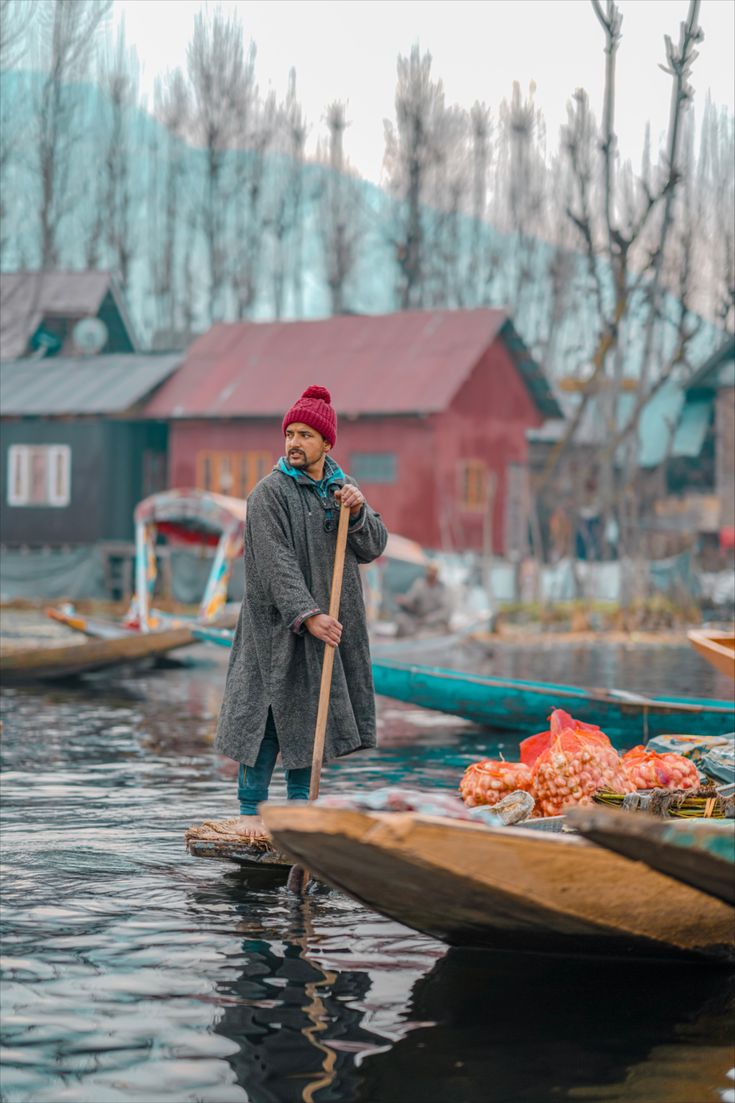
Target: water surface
(134, 972)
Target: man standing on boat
(272, 687)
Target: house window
(473, 486)
(232, 473)
(254, 466)
(39, 475)
(374, 467)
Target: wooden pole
(298, 876)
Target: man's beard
(299, 459)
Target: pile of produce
(487, 782)
(570, 762)
(648, 769)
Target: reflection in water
(306, 1003)
(135, 973)
(521, 1028)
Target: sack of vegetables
(559, 721)
(577, 760)
(489, 781)
(647, 769)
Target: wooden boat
(698, 852)
(514, 705)
(29, 664)
(183, 516)
(503, 887)
(718, 648)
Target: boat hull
(718, 648)
(698, 852)
(23, 665)
(513, 705)
(503, 888)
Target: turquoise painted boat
(221, 636)
(512, 705)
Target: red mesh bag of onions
(578, 761)
(559, 721)
(646, 769)
(489, 781)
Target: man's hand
(324, 627)
(352, 497)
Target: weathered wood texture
(698, 852)
(507, 888)
(38, 663)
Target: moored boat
(718, 648)
(21, 665)
(191, 517)
(514, 705)
(507, 888)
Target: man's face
(304, 446)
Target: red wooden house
(433, 410)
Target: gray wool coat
(290, 538)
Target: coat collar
(333, 473)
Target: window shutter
(18, 459)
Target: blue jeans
(253, 781)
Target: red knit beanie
(314, 409)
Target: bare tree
(67, 32)
(296, 124)
(118, 82)
(15, 21)
(715, 242)
(481, 131)
(608, 242)
(409, 155)
(251, 176)
(448, 183)
(218, 74)
(341, 219)
(520, 192)
(15, 18)
(170, 201)
(626, 226)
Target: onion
(488, 781)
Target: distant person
(274, 674)
(425, 606)
(561, 533)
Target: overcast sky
(347, 49)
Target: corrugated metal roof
(92, 385)
(26, 297)
(412, 362)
